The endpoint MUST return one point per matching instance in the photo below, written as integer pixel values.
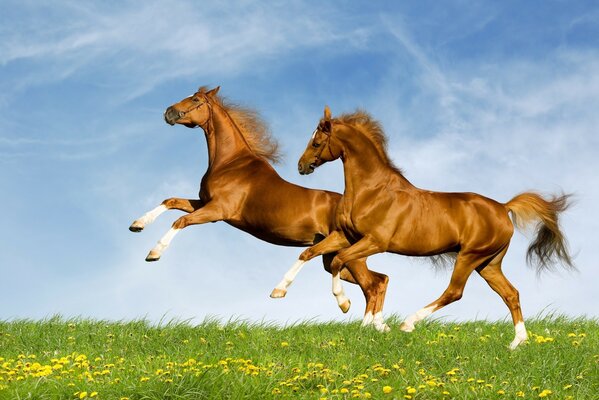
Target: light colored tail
(550, 245)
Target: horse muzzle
(171, 116)
(306, 169)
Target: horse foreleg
(359, 250)
(331, 243)
(186, 205)
(209, 213)
(373, 285)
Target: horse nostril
(181, 114)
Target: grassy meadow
(85, 359)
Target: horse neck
(225, 140)
(363, 166)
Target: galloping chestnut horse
(241, 188)
(382, 211)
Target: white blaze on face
(314, 134)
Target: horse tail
(550, 244)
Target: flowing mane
(253, 128)
(372, 129)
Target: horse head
(322, 146)
(192, 111)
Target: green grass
(68, 359)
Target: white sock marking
(368, 318)
(338, 290)
(290, 275)
(165, 241)
(379, 322)
(151, 215)
(418, 316)
(521, 335)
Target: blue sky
(495, 98)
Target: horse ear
(327, 113)
(213, 92)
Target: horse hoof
(278, 293)
(406, 328)
(384, 328)
(153, 256)
(345, 306)
(136, 226)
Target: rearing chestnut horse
(382, 211)
(241, 188)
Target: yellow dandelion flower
(387, 389)
(545, 393)
(520, 393)
(82, 395)
(343, 390)
(93, 394)
(144, 379)
(501, 392)
(567, 387)
(410, 390)
(284, 344)
(572, 335)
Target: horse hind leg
(464, 266)
(498, 282)
(173, 203)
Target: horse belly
(424, 238)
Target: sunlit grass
(78, 359)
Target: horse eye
(195, 99)
(315, 145)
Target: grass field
(78, 359)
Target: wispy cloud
(150, 43)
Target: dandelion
(387, 389)
(545, 393)
(567, 387)
(410, 390)
(82, 395)
(520, 393)
(284, 344)
(93, 394)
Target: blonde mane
(372, 129)
(253, 128)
